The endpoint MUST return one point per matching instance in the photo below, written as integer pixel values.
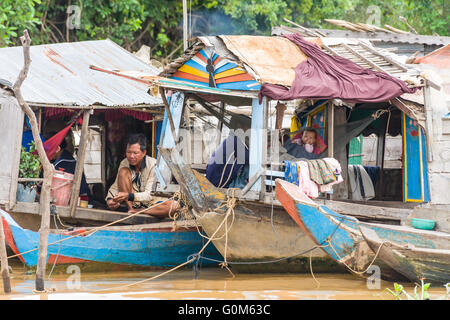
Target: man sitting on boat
(131, 191)
(228, 165)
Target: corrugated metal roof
(60, 75)
(273, 59)
(368, 31)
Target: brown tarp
(322, 76)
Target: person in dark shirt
(229, 159)
(64, 160)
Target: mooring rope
(194, 257)
(93, 230)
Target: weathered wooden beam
(80, 163)
(185, 178)
(4, 260)
(381, 146)
(428, 119)
(252, 181)
(44, 205)
(169, 113)
(330, 127)
(30, 179)
(356, 53)
(222, 114)
(375, 52)
(258, 141)
(88, 215)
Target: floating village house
(231, 70)
(60, 85)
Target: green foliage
(400, 292)
(15, 16)
(30, 164)
(159, 24)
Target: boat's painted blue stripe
(321, 228)
(146, 248)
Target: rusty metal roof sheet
(272, 59)
(367, 31)
(59, 75)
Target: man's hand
(113, 205)
(120, 197)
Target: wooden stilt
(80, 163)
(4, 261)
(44, 205)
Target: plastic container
(61, 188)
(25, 194)
(423, 224)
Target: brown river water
(211, 283)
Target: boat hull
(430, 264)
(338, 235)
(261, 243)
(258, 239)
(134, 246)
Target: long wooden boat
(428, 257)
(338, 235)
(148, 245)
(254, 239)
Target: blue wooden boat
(338, 235)
(428, 259)
(150, 245)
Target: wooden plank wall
(11, 127)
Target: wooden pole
(330, 119)
(381, 145)
(44, 205)
(169, 114)
(185, 33)
(428, 119)
(80, 163)
(220, 126)
(4, 261)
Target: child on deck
(306, 144)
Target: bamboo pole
(185, 32)
(330, 119)
(4, 261)
(169, 114)
(44, 206)
(80, 163)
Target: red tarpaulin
(323, 76)
(52, 144)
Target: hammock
(52, 144)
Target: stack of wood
(364, 27)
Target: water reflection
(212, 283)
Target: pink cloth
(322, 76)
(309, 187)
(334, 165)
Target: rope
(310, 268)
(267, 261)
(354, 271)
(59, 248)
(182, 264)
(328, 240)
(93, 230)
